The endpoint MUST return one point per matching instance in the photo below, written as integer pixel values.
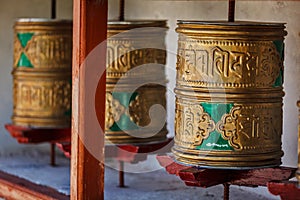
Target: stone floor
(151, 181)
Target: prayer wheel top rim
(232, 30)
(27, 23)
(129, 24)
(236, 23)
(42, 20)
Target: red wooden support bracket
(38, 135)
(203, 177)
(287, 190)
(126, 153)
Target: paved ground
(33, 164)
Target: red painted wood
(171, 166)
(204, 177)
(38, 135)
(89, 30)
(15, 188)
(65, 147)
(125, 153)
(260, 177)
(287, 190)
(201, 177)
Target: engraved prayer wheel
(135, 81)
(229, 94)
(42, 73)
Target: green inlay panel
(124, 123)
(68, 113)
(124, 97)
(215, 140)
(24, 61)
(280, 49)
(279, 80)
(24, 38)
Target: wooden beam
(87, 169)
(15, 188)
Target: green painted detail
(124, 97)
(280, 47)
(24, 38)
(24, 61)
(279, 80)
(217, 110)
(68, 113)
(215, 140)
(124, 123)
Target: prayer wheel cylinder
(135, 81)
(42, 73)
(229, 94)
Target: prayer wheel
(135, 81)
(229, 94)
(42, 73)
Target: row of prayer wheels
(228, 86)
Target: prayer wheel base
(227, 160)
(41, 122)
(115, 138)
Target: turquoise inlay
(216, 110)
(279, 80)
(68, 113)
(215, 140)
(124, 123)
(124, 97)
(24, 38)
(280, 47)
(24, 61)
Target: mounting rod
(231, 10)
(53, 9)
(122, 10)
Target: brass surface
(42, 73)
(229, 94)
(128, 121)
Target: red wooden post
(89, 30)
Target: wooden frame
(89, 30)
(15, 188)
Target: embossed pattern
(126, 51)
(212, 63)
(42, 73)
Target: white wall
(276, 11)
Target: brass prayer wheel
(229, 94)
(135, 81)
(42, 73)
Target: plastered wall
(270, 11)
